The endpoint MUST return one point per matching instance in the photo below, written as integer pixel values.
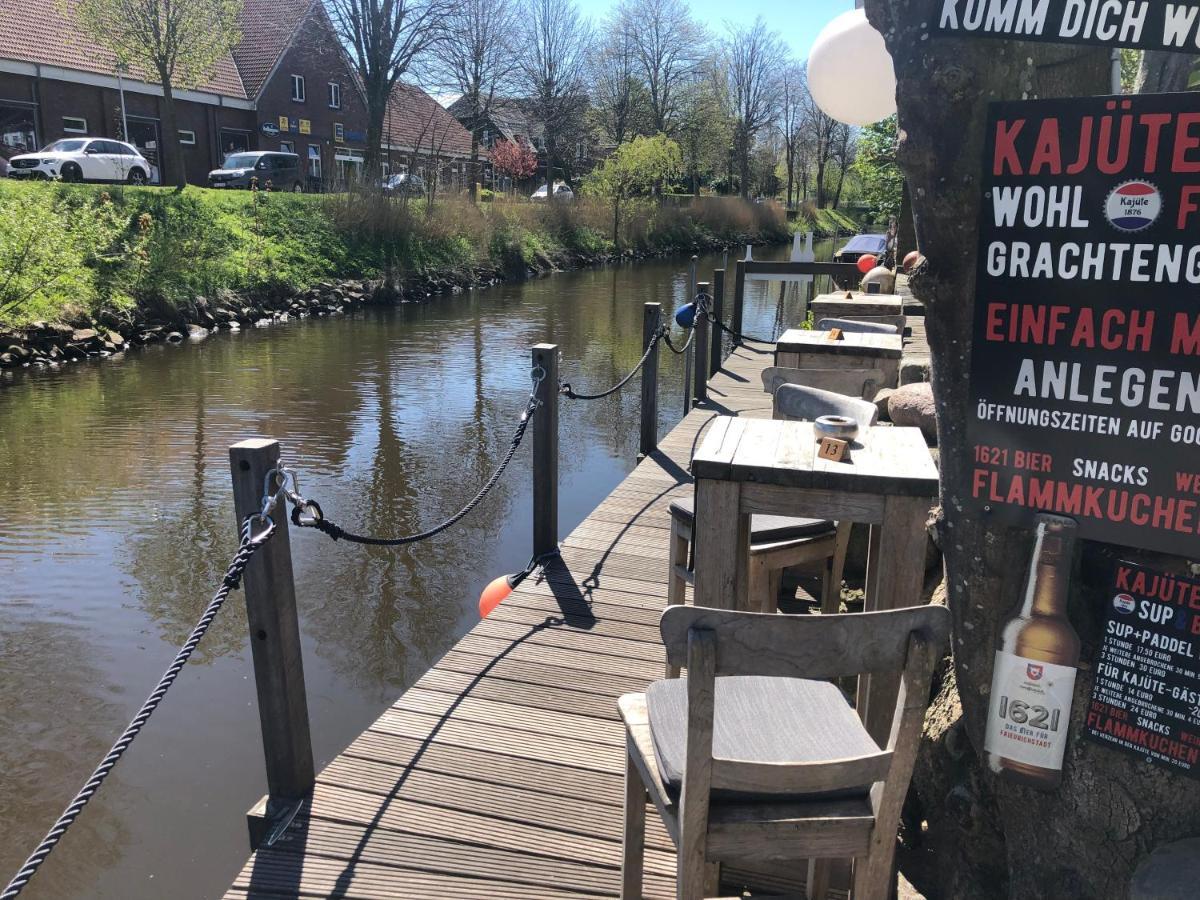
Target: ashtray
(843, 428)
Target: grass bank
(121, 258)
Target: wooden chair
(767, 768)
(865, 383)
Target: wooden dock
(499, 773)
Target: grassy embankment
(80, 254)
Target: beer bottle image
(1033, 679)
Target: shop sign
(356, 136)
(1146, 693)
(1145, 24)
(305, 126)
(270, 129)
(1085, 361)
(285, 125)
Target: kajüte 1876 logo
(1034, 671)
(1133, 205)
(1123, 603)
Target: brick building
(287, 86)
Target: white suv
(83, 159)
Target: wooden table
(747, 466)
(800, 348)
(868, 306)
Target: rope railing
(281, 486)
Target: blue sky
(797, 21)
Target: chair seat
(760, 719)
(764, 529)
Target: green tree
(633, 170)
(176, 42)
(875, 166)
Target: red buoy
(867, 262)
(910, 260)
(494, 594)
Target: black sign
(1146, 696)
(1085, 361)
(1148, 24)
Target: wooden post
(717, 338)
(739, 296)
(700, 393)
(274, 643)
(651, 319)
(545, 452)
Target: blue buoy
(685, 316)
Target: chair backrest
(857, 325)
(712, 642)
(801, 403)
(865, 383)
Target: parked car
(561, 192)
(83, 159)
(282, 170)
(404, 184)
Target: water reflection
(118, 523)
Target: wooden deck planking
(499, 773)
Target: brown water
(116, 523)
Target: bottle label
(1029, 710)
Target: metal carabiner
(261, 538)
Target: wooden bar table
(869, 307)
(748, 466)
(801, 348)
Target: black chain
(567, 391)
(721, 326)
(249, 545)
(315, 518)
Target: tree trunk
(969, 834)
(377, 101)
(1163, 72)
(473, 170)
(744, 162)
(171, 158)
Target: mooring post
(739, 295)
(700, 391)
(275, 646)
(545, 452)
(717, 338)
(651, 319)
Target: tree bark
(171, 157)
(973, 835)
(1162, 72)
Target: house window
(187, 137)
(286, 147)
(314, 161)
(339, 132)
(335, 95)
(18, 131)
(74, 125)
(298, 88)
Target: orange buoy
(867, 262)
(911, 259)
(494, 594)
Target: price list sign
(1146, 695)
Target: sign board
(1146, 24)
(270, 129)
(1146, 696)
(1085, 361)
(305, 126)
(285, 124)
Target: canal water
(117, 524)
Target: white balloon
(850, 71)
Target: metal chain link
(308, 514)
(250, 542)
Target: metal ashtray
(843, 428)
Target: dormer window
(298, 88)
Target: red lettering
(1048, 152)
(1123, 577)
(1185, 142)
(1006, 148)
(993, 322)
(1185, 335)
(1154, 123)
(1187, 205)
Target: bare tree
(616, 92)
(476, 59)
(829, 140)
(553, 70)
(385, 38)
(755, 58)
(791, 120)
(668, 47)
(178, 43)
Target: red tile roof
(415, 120)
(267, 29)
(41, 31)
